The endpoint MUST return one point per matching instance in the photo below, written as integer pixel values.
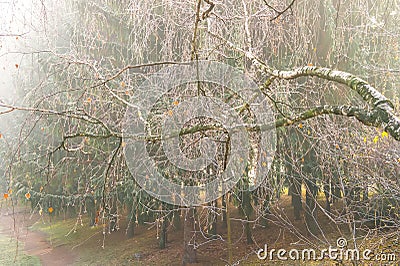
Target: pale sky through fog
(16, 29)
(15, 19)
(18, 24)
(39, 24)
(29, 29)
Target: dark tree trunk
(177, 220)
(130, 231)
(265, 211)
(91, 209)
(348, 192)
(163, 233)
(247, 210)
(249, 236)
(311, 207)
(164, 222)
(365, 194)
(189, 250)
(337, 193)
(296, 197)
(327, 198)
(212, 226)
(357, 194)
(224, 219)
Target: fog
(73, 71)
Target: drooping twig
(206, 13)
(277, 11)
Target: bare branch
(279, 12)
(206, 13)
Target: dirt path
(36, 243)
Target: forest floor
(62, 241)
(28, 247)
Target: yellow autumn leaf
(300, 125)
(375, 140)
(365, 139)
(175, 103)
(123, 84)
(384, 134)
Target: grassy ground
(92, 247)
(88, 242)
(10, 253)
